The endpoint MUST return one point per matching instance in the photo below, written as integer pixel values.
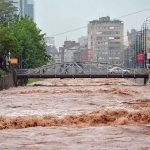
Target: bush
(2, 73)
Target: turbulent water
(76, 114)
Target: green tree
(7, 12)
(8, 43)
(34, 52)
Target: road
(76, 114)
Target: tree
(7, 12)
(21, 37)
(34, 52)
(8, 44)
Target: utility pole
(145, 48)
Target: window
(117, 37)
(111, 28)
(117, 27)
(117, 32)
(111, 38)
(98, 33)
(99, 38)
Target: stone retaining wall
(7, 81)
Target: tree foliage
(21, 37)
(8, 43)
(34, 52)
(7, 12)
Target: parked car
(118, 70)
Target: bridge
(80, 70)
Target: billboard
(13, 61)
(140, 57)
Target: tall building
(131, 36)
(105, 39)
(24, 7)
(138, 45)
(27, 8)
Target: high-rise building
(131, 37)
(130, 52)
(24, 7)
(138, 43)
(27, 8)
(105, 39)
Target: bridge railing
(76, 68)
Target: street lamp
(143, 41)
(9, 55)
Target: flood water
(76, 114)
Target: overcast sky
(57, 16)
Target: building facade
(83, 41)
(130, 60)
(105, 39)
(138, 46)
(50, 41)
(82, 55)
(69, 54)
(24, 7)
(67, 50)
(27, 8)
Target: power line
(134, 13)
(76, 29)
(83, 27)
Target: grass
(34, 80)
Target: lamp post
(145, 30)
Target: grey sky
(57, 16)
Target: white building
(69, 54)
(83, 41)
(50, 41)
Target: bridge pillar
(145, 81)
(22, 82)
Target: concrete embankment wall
(7, 81)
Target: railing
(76, 68)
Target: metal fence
(84, 68)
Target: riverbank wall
(8, 81)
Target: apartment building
(105, 39)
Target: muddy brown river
(99, 114)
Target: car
(118, 70)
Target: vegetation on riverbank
(30, 81)
(2, 73)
